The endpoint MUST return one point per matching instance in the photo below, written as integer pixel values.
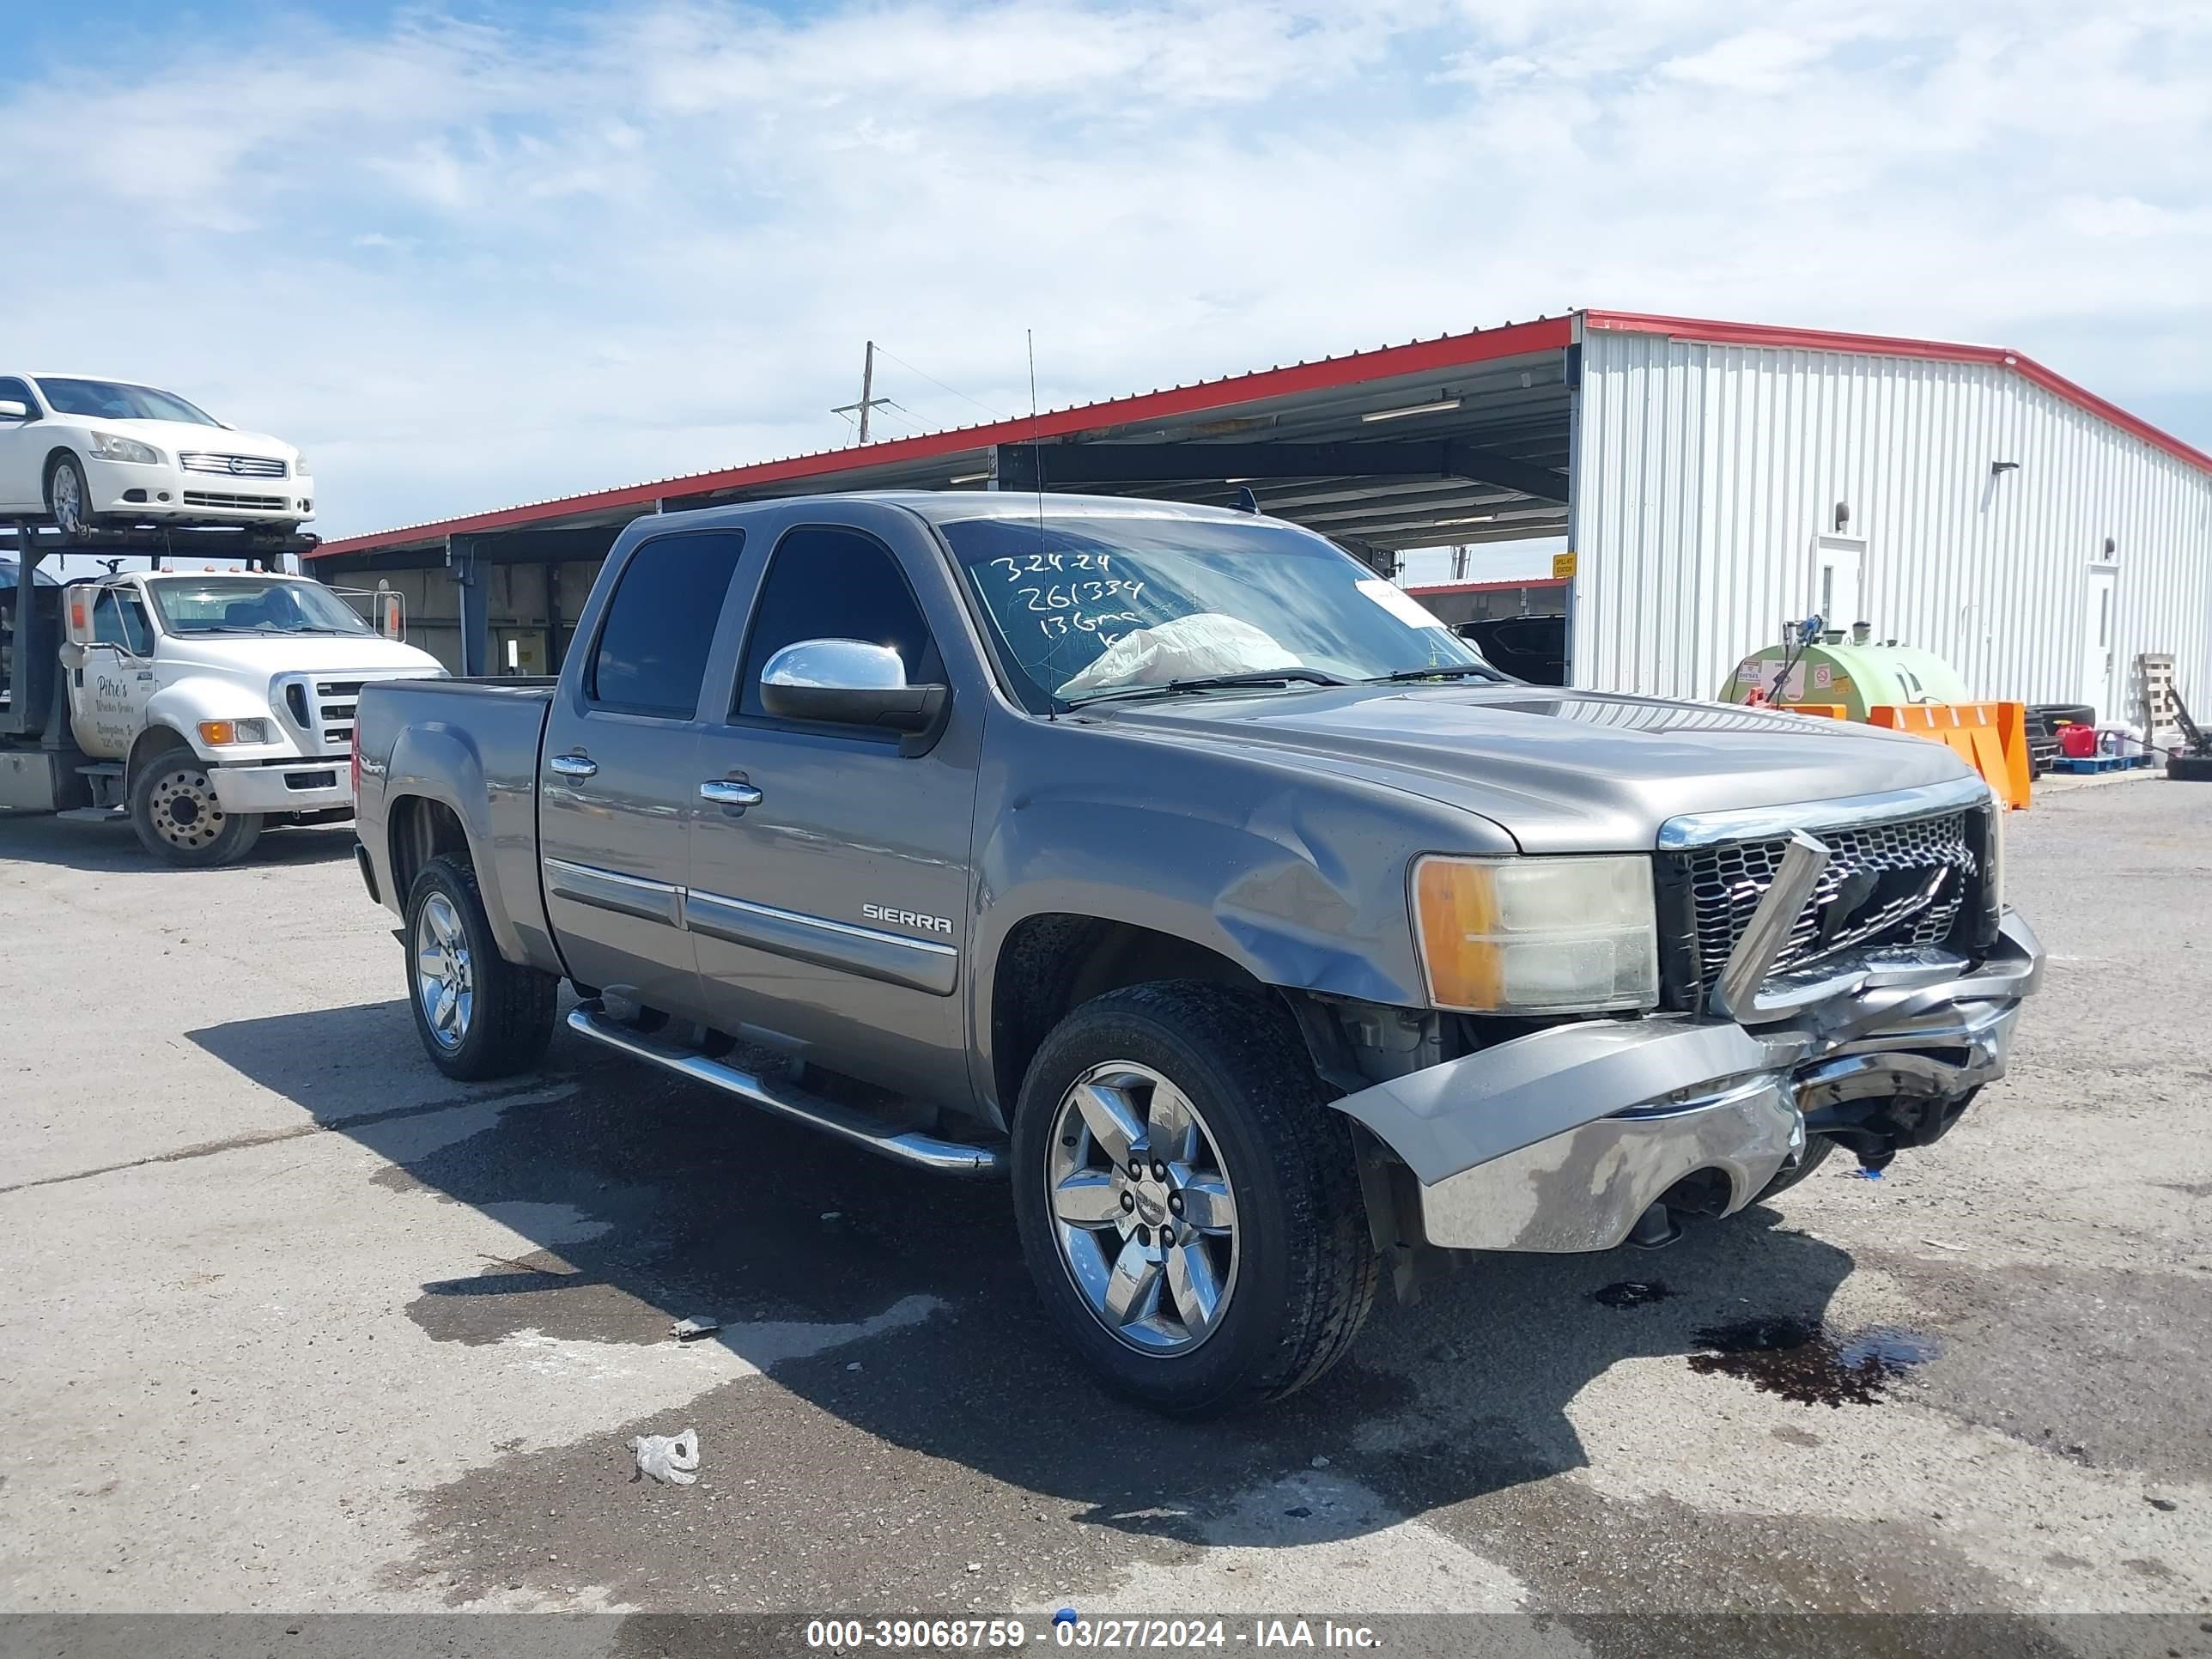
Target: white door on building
(2100, 655)
(1838, 561)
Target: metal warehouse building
(1711, 479)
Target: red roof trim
(1434, 589)
(1885, 345)
(1447, 351)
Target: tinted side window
(117, 619)
(651, 649)
(826, 584)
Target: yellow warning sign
(1563, 567)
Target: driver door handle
(574, 766)
(727, 792)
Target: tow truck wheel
(479, 1015)
(69, 498)
(178, 817)
(1189, 1207)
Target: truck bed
(421, 746)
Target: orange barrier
(1991, 737)
(1826, 711)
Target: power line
(995, 414)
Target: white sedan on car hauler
(87, 451)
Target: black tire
(178, 818)
(80, 516)
(2189, 768)
(1817, 1148)
(1306, 1270)
(509, 1011)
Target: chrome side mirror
(849, 683)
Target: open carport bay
(288, 1322)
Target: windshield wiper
(1215, 683)
(1442, 671)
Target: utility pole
(868, 399)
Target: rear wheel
(174, 808)
(479, 1015)
(1189, 1206)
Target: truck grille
(1886, 883)
(236, 467)
(334, 704)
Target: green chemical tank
(1854, 671)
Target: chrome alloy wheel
(445, 978)
(68, 503)
(1143, 1208)
(185, 811)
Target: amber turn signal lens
(1455, 906)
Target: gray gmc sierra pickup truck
(1169, 863)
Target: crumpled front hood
(1561, 770)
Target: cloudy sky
(477, 255)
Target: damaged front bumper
(1562, 1140)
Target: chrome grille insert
(235, 466)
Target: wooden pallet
(2162, 717)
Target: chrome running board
(920, 1151)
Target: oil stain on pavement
(1804, 1360)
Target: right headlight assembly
(1537, 935)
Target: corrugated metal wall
(1704, 472)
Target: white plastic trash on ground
(671, 1459)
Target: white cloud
(466, 266)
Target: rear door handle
(724, 792)
(575, 766)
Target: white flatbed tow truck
(202, 705)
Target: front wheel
(69, 497)
(175, 810)
(479, 1015)
(1189, 1207)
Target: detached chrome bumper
(1560, 1140)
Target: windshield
(115, 400)
(251, 604)
(1090, 607)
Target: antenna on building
(868, 398)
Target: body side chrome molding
(921, 964)
(610, 889)
(1693, 830)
